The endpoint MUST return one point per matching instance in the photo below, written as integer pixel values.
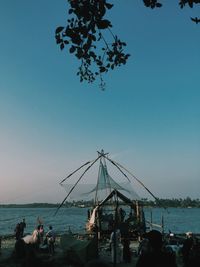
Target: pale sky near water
(148, 118)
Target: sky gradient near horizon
(148, 118)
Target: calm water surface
(178, 220)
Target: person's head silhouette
(155, 239)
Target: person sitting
(51, 237)
(156, 255)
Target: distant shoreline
(168, 203)
(26, 206)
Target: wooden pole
(162, 224)
(114, 232)
(151, 220)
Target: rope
(140, 182)
(76, 184)
(75, 171)
(114, 163)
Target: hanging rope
(114, 163)
(140, 182)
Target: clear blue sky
(148, 118)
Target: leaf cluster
(182, 3)
(84, 34)
(174, 202)
(152, 3)
(83, 31)
(191, 3)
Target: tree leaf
(190, 3)
(103, 24)
(109, 6)
(158, 5)
(58, 41)
(62, 46)
(72, 49)
(102, 69)
(59, 29)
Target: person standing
(51, 237)
(115, 241)
(41, 232)
(156, 255)
(17, 231)
(126, 250)
(22, 226)
(187, 247)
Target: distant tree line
(29, 205)
(174, 202)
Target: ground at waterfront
(43, 259)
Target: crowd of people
(152, 251)
(39, 238)
(155, 251)
(191, 251)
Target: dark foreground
(8, 257)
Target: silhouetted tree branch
(85, 36)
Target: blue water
(177, 220)
(75, 218)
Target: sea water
(177, 220)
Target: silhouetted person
(17, 231)
(156, 256)
(126, 250)
(88, 213)
(194, 255)
(187, 246)
(51, 237)
(121, 214)
(22, 226)
(115, 240)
